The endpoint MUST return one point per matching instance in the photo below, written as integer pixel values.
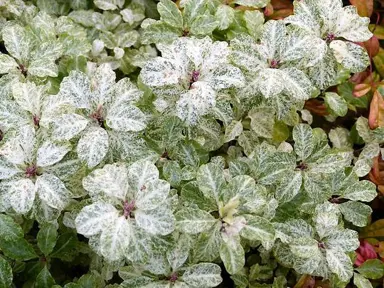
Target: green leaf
(46, 238)
(336, 103)
(170, 14)
(194, 221)
(12, 242)
(232, 254)
(203, 275)
(44, 279)
(302, 135)
(6, 275)
(372, 269)
(361, 282)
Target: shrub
(161, 144)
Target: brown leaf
(364, 7)
(372, 46)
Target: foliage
(190, 143)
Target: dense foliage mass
(195, 143)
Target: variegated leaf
(93, 218)
(93, 146)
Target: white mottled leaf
(336, 103)
(68, 126)
(170, 13)
(304, 247)
(302, 135)
(361, 282)
(195, 102)
(225, 15)
(210, 178)
(21, 195)
(361, 191)
(16, 41)
(345, 239)
(234, 129)
(50, 153)
(159, 221)
(93, 146)
(339, 263)
(114, 239)
(52, 191)
(270, 82)
(152, 194)
(7, 63)
(125, 117)
(140, 173)
(356, 212)
(179, 253)
(352, 56)
(7, 169)
(258, 228)
(289, 187)
(351, 26)
(232, 254)
(111, 180)
(203, 24)
(193, 221)
(93, 218)
(203, 275)
(76, 87)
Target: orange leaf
(374, 230)
(364, 7)
(281, 14)
(361, 89)
(376, 111)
